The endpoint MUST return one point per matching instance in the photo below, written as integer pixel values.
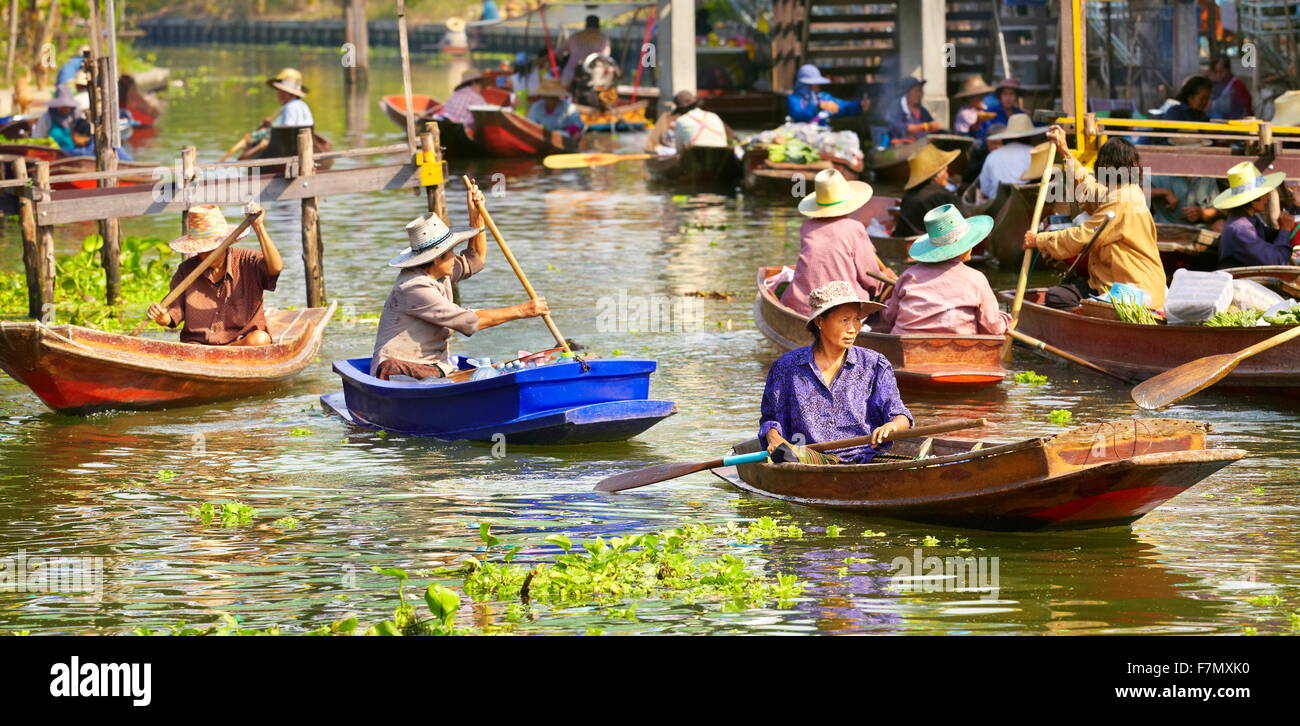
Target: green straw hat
(948, 234)
(1246, 184)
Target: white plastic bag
(1195, 297)
(1250, 295)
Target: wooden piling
(313, 250)
(38, 254)
(110, 231)
(357, 33)
(189, 156)
(32, 258)
(436, 195)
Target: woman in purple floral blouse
(833, 389)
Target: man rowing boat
(224, 305)
(420, 315)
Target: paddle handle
(1036, 343)
(912, 433)
(514, 265)
(202, 267)
(1023, 281)
(1267, 343)
(753, 458)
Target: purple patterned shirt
(863, 397)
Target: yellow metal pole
(1079, 61)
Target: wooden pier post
(38, 249)
(103, 86)
(37, 293)
(312, 249)
(356, 33)
(189, 156)
(436, 195)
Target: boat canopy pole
(640, 57)
(550, 49)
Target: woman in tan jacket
(1126, 251)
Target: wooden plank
(80, 205)
(852, 19)
(1177, 161)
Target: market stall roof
(567, 15)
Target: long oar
(1023, 282)
(582, 161)
(239, 145)
(664, 472)
(514, 265)
(201, 267)
(1178, 383)
(1036, 343)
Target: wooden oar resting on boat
(698, 167)
(1139, 352)
(1103, 475)
(77, 370)
(944, 362)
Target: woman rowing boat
(833, 389)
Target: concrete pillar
(922, 36)
(1187, 60)
(675, 48)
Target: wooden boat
(77, 370)
(698, 167)
(1104, 475)
(1012, 210)
(145, 108)
(61, 162)
(394, 107)
(559, 403)
(1187, 246)
(1141, 351)
(1283, 279)
(457, 142)
(944, 362)
(622, 119)
(502, 132)
(282, 142)
(763, 176)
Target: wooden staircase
(850, 41)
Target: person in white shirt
(290, 92)
(1008, 164)
(688, 125)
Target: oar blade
(1178, 383)
(575, 161)
(651, 475)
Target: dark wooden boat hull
(394, 107)
(1104, 475)
(698, 167)
(1142, 351)
(502, 132)
(782, 179)
(933, 362)
(77, 370)
(1012, 211)
(63, 163)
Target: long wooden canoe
(1103, 475)
(394, 107)
(61, 162)
(77, 370)
(779, 178)
(944, 362)
(1142, 351)
(698, 167)
(1283, 279)
(502, 132)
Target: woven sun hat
(1286, 109)
(809, 75)
(834, 294)
(455, 25)
(1037, 162)
(62, 98)
(684, 101)
(1245, 184)
(926, 163)
(207, 227)
(834, 196)
(82, 77)
(430, 238)
(288, 80)
(1018, 127)
(948, 234)
(469, 77)
(1012, 83)
(550, 87)
(973, 86)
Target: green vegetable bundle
(1234, 318)
(1285, 317)
(793, 151)
(1131, 311)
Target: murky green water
(92, 486)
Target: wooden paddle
(200, 268)
(1036, 343)
(514, 265)
(664, 472)
(1178, 383)
(239, 145)
(1023, 282)
(582, 161)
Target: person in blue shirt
(82, 141)
(290, 92)
(1247, 240)
(553, 110)
(809, 103)
(68, 70)
(1003, 103)
(908, 119)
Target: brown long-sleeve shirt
(219, 313)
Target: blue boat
(569, 402)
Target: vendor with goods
(1248, 240)
(808, 102)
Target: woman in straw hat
(1006, 101)
(56, 122)
(419, 316)
(940, 294)
(1126, 250)
(833, 245)
(290, 92)
(1007, 164)
(224, 305)
(1248, 240)
(972, 117)
(927, 188)
(687, 124)
(553, 110)
(833, 389)
(469, 92)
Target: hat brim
(861, 194)
(925, 175)
(277, 85)
(188, 245)
(977, 92)
(820, 80)
(1035, 131)
(865, 309)
(410, 258)
(923, 251)
(1228, 200)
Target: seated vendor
(224, 305)
(808, 102)
(419, 316)
(833, 389)
(553, 110)
(1126, 249)
(940, 295)
(1247, 239)
(687, 125)
(908, 119)
(927, 188)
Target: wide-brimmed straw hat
(207, 227)
(1037, 162)
(1286, 109)
(288, 80)
(973, 86)
(927, 162)
(834, 294)
(62, 98)
(1018, 127)
(549, 87)
(948, 234)
(809, 75)
(1245, 184)
(834, 196)
(429, 238)
(1012, 83)
(468, 78)
(455, 25)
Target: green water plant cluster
(1060, 417)
(227, 514)
(1031, 378)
